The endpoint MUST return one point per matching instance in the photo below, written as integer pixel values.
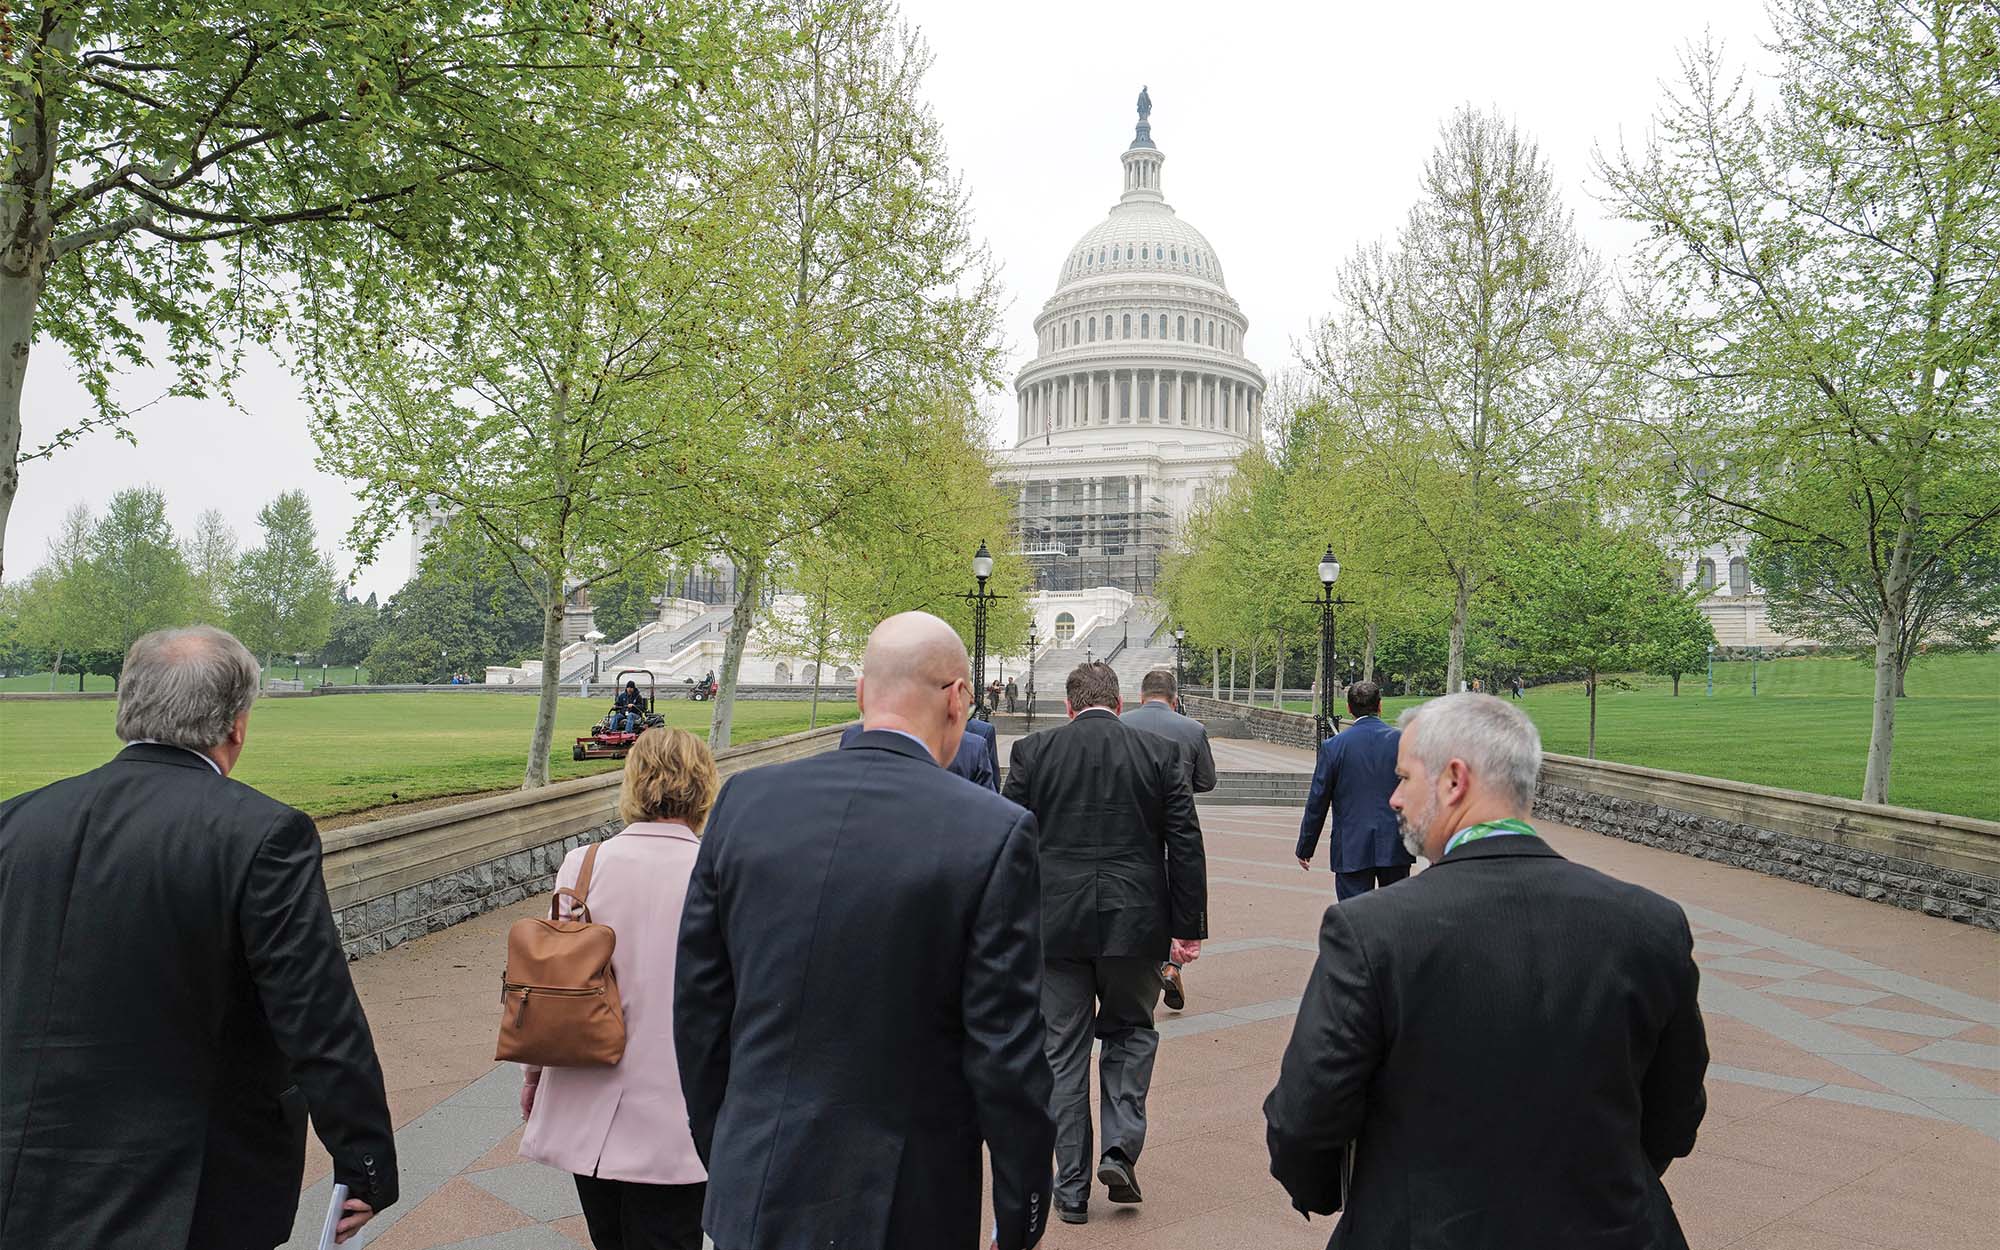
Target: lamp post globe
(595, 638)
(1329, 568)
(1328, 720)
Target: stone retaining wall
(1938, 864)
(1261, 724)
(401, 877)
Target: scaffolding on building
(1080, 533)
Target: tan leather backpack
(559, 1004)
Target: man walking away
(176, 998)
(1124, 888)
(1510, 1042)
(1354, 776)
(973, 760)
(846, 1054)
(1156, 714)
(1013, 695)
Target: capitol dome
(1141, 336)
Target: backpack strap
(580, 892)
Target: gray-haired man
(1510, 1041)
(177, 1000)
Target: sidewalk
(1854, 1097)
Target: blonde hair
(669, 775)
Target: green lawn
(1805, 729)
(347, 753)
(310, 674)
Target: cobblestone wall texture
(1970, 898)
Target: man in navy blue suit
(857, 1007)
(1354, 776)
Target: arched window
(1145, 323)
(1704, 575)
(809, 674)
(1739, 577)
(1128, 251)
(1076, 332)
(1093, 329)
(1180, 328)
(843, 673)
(1174, 255)
(1107, 327)
(1063, 335)
(1065, 628)
(1211, 334)
(1128, 325)
(1100, 255)
(784, 673)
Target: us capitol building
(1139, 398)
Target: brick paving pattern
(1854, 1097)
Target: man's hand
(1184, 951)
(528, 1087)
(1305, 864)
(358, 1213)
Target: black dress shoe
(1170, 982)
(1078, 1214)
(1119, 1179)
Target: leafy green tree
(622, 604)
(1682, 639)
(134, 580)
(212, 562)
(191, 174)
(281, 602)
(867, 300)
(1821, 309)
(54, 608)
(1473, 353)
(1585, 598)
(463, 610)
(356, 625)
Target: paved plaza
(1854, 1094)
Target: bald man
(857, 996)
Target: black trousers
(1109, 998)
(1348, 884)
(627, 1215)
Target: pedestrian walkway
(1854, 1099)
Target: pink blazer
(628, 1122)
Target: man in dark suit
(972, 761)
(1157, 714)
(1355, 775)
(176, 997)
(989, 741)
(1124, 889)
(1509, 1042)
(855, 1005)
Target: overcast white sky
(1292, 133)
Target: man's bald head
(909, 681)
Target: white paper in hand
(333, 1214)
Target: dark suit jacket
(1355, 775)
(1122, 864)
(1189, 733)
(990, 740)
(970, 762)
(857, 1007)
(1515, 1042)
(176, 1001)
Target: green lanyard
(1504, 827)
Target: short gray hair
(1496, 740)
(185, 687)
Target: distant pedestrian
(1155, 714)
(1507, 1048)
(1124, 884)
(855, 1009)
(176, 1003)
(1013, 694)
(1353, 778)
(622, 1131)
(1517, 689)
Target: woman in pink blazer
(623, 1130)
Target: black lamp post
(1031, 677)
(1328, 720)
(1180, 663)
(982, 568)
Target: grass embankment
(348, 753)
(310, 674)
(1806, 728)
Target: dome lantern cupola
(1143, 160)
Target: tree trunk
(540, 742)
(749, 582)
(1252, 699)
(1902, 674)
(1593, 714)
(1215, 673)
(1454, 668)
(1368, 654)
(1278, 676)
(56, 671)
(19, 294)
(1232, 674)
(1677, 685)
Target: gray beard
(1413, 829)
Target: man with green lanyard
(1505, 1050)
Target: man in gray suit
(1157, 714)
